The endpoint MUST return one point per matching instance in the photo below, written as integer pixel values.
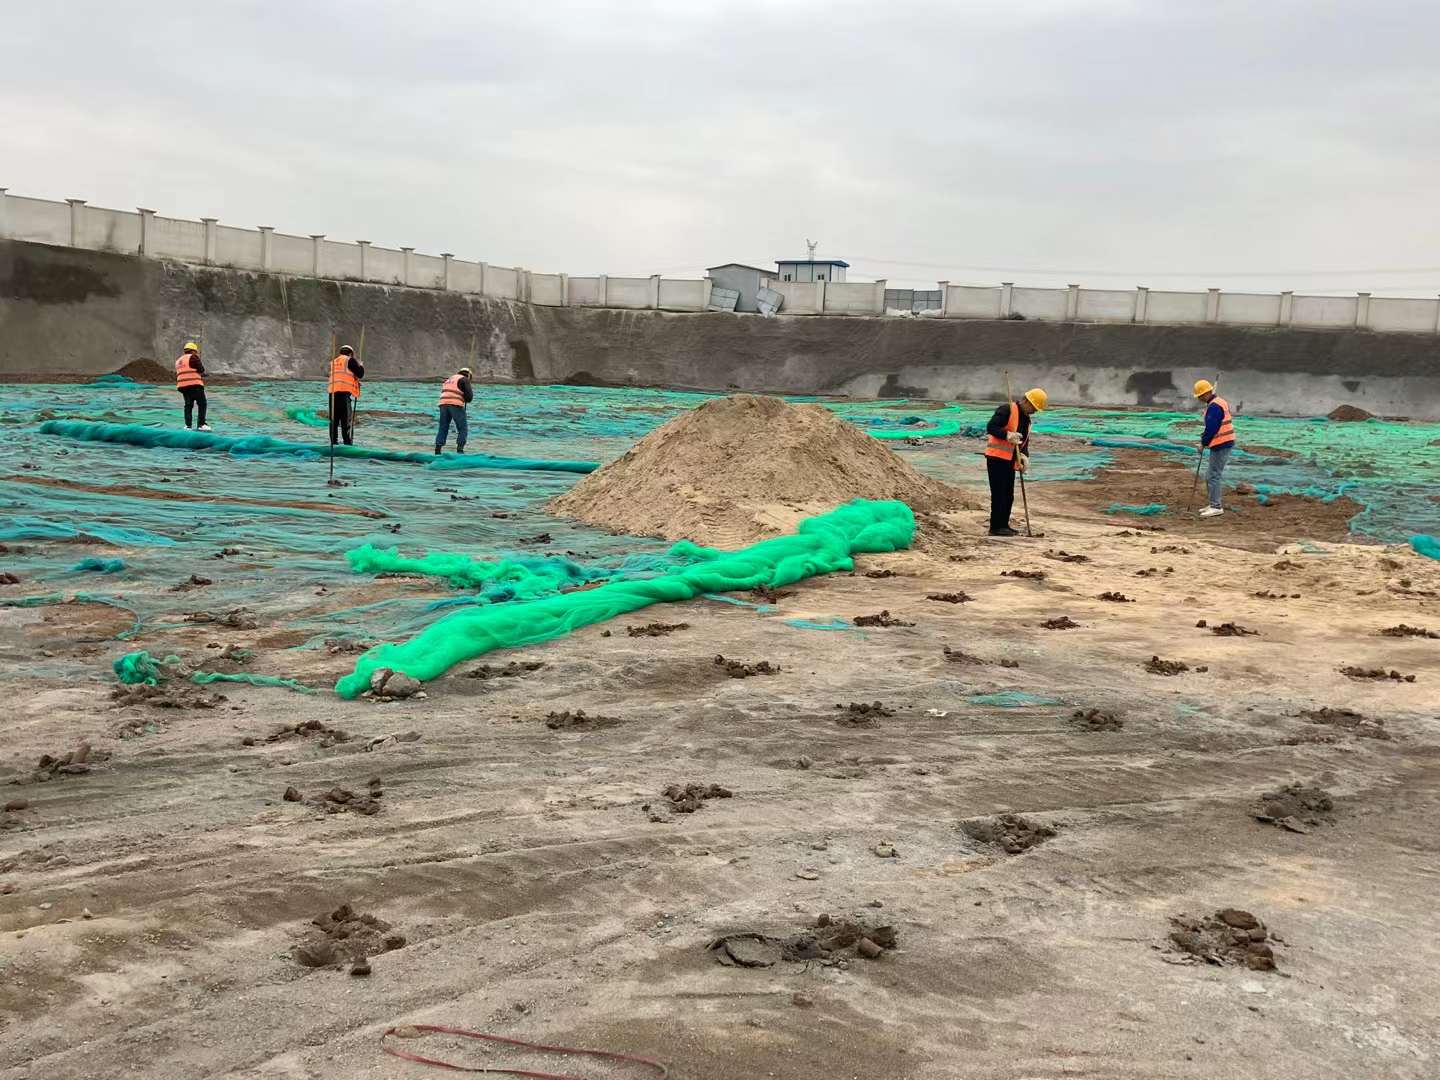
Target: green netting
(1428, 546)
(526, 576)
(308, 417)
(139, 435)
(1145, 510)
(96, 565)
(141, 667)
(1012, 699)
(819, 545)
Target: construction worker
(345, 375)
(190, 381)
(1007, 452)
(454, 396)
(1219, 437)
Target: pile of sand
(1349, 412)
(741, 468)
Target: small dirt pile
(1349, 412)
(738, 469)
(147, 371)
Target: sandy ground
(150, 908)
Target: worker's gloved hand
(1022, 462)
(1014, 437)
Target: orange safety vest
(342, 379)
(450, 393)
(1226, 434)
(1002, 448)
(185, 375)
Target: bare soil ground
(160, 909)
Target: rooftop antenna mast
(810, 246)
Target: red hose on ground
(608, 1055)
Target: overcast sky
(1162, 143)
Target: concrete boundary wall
(74, 223)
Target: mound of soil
(687, 798)
(869, 935)
(1294, 807)
(1011, 833)
(306, 729)
(579, 720)
(1095, 720)
(883, 618)
(1156, 666)
(147, 371)
(1349, 412)
(738, 669)
(656, 629)
(1230, 936)
(724, 474)
(1404, 630)
(1362, 727)
(345, 936)
(862, 713)
(1359, 673)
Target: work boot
(203, 427)
(437, 451)
(1007, 531)
(1211, 511)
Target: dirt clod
(687, 798)
(16, 805)
(1154, 571)
(1156, 666)
(1361, 673)
(881, 573)
(1026, 575)
(738, 669)
(1266, 594)
(292, 794)
(1230, 936)
(1062, 622)
(72, 763)
(950, 597)
(656, 629)
(1066, 557)
(884, 618)
(1115, 597)
(1362, 727)
(1408, 631)
(389, 685)
(1095, 720)
(862, 713)
(579, 720)
(766, 595)
(1011, 833)
(324, 735)
(1294, 807)
(513, 670)
(1230, 629)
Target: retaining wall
(66, 312)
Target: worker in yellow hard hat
(1007, 452)
(190, 381)
(1219, 438)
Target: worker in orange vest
(455, 394)
(190, 381)
(1219, 438)
(345, 375)
(1007, 452)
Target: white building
(812, 270)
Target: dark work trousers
(342, 418)
(1002, 491)
(193, 395)
(462, 429)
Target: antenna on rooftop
(810, 246)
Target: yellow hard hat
(190, 346)
(1203, 387)
(1038, 398)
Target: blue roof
(811, 262)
